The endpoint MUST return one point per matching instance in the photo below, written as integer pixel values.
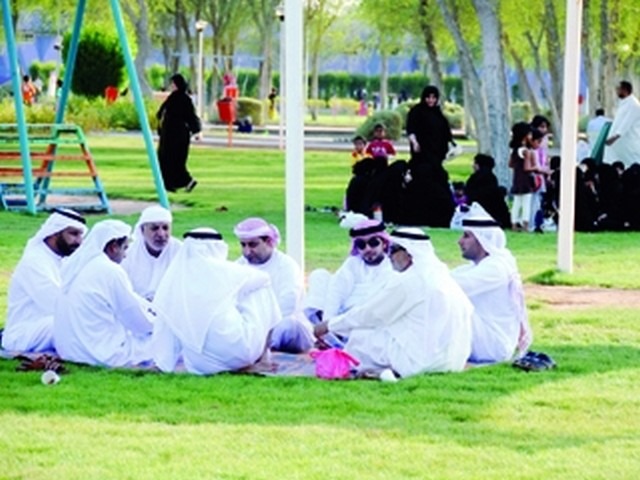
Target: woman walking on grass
(177, 122)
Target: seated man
(99, 319)
(215, 313)
(259, 241)
(35, 283)
(492, 283)
(359, 278)
(152, 250)
(420, 321)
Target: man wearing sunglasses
(259, 242)
(492, 283)
(359, 277)
(419, 321)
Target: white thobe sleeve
(340, 287)
(475, 280)
(131, 309)
(288, 290)
(385, 308)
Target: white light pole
(200, 26)
(569, 133)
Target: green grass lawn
(579, 421)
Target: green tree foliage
(99, 63)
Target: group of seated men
(393, 305)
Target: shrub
(521, 112)
(42, 70)
(99, 63)
(454, 114)
(389, 118)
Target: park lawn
(579, 421)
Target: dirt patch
(118, 206)
(572, 298)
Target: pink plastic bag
(333, 363)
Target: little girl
(523, 163)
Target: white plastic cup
(50, 377)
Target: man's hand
(321, 329)
(611, 140)
(198, 136)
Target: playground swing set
(30, 154)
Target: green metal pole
(70, 61)
(25, 155)
(137, 96)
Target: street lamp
(200, 26)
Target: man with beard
(358, 278)
(36, 283)
(419, 321)
(259, 242)
(624, 135)
(152, 250)
(99, 319)
(492, 283)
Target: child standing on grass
(523, 165)
(379, 146)
(359, 146)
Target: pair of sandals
(41, 362)
(534, 362)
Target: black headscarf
(180, 83)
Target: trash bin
(111, 94)
(227, 110)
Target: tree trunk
(591, 67)
(555, 55)
(315, 82)
(475, 101)
(524, 83)
(384, 80)
(141, 25)
(495, 86)
(177, 45)
(607, 56)
(548, 95)
(433, 66)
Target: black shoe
(192, 184)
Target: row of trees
(482, 36)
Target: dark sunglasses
(361, 243)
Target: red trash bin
(111, 94)
(227, 111)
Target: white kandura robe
(351, 285)
(626, 123)
(497, 317)
(220, 323)
(34, 288)
(144, 270)
(419, 322)
(294, 332)
(100, 320)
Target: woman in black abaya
(177, 122)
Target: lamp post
(200, 26)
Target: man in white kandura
(624, 135)
(214, 313)
(419, 322)
(35, 283)
(492, 283)
(359, 277)
(99, 319)
(259, 241)
(152, 250)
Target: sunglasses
(373, 242)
